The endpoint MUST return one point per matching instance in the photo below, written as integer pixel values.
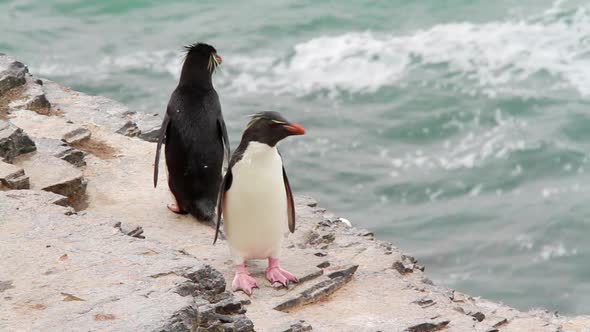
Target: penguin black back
(195, 135)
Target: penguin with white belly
(256, 200)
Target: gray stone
(82, 276)
(44, 198)
(428, 327)
(458, 297)
(52, 174)
(207, 281)
(306, 200)
(209, 320)
(425, 302)
(101, 111)
(182, 320)
(32, 98)
(130, 230)
(12, 73)
(479, 316)
(497, 321)
(61, 150)
(13, 142)
(310, 274)
(72, 156)
(4, 285)
(345, 272)
(403, 268)
(151, 134)
(300, 326)
(129, 129)
(407, 264)
(323, 265)
(319, 291)
(214, 309)
(320, 239)
(77, 135)
(13, 177)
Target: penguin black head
(199, 64)
(269, 128)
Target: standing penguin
(256, 200)
(195, 136)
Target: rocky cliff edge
(88, 244)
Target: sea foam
(496, 57)
(527, 57)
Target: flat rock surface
(61, 150)
(77, 135)
(78, 274)
(49, 173)
(111, 115)
(350, 281)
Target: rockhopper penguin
(256, 200)
(195, 135)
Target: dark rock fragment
(13, 142)
(300, 326)
(323, 265)
(129, 129)
(428, 327)
(12, 73)
(425, 302)
(321, 290)
(4, 285)
(207, 281)
(406, 265)
(61, 150)
(150, 135)
(479, 316)
(77, 135)
(13, 177)
(130, 230)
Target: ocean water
(459, 130)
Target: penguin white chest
(255, 211)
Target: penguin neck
(254, 150)
(195, 75)
(252, 135)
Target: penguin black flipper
(290, 203)
(225, 185)
(224, 137)
(163, 130)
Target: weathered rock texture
(12, 73)
(67, 272)
(13, 142)
(13, 177)
(125, 263)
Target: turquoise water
(459, 130)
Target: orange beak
(295, 128)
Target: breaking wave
(493, 56)
(547, 52)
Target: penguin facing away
(256, 200)
(195, 136)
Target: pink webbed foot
(175, 208)
(276, 275)
(243, 281)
